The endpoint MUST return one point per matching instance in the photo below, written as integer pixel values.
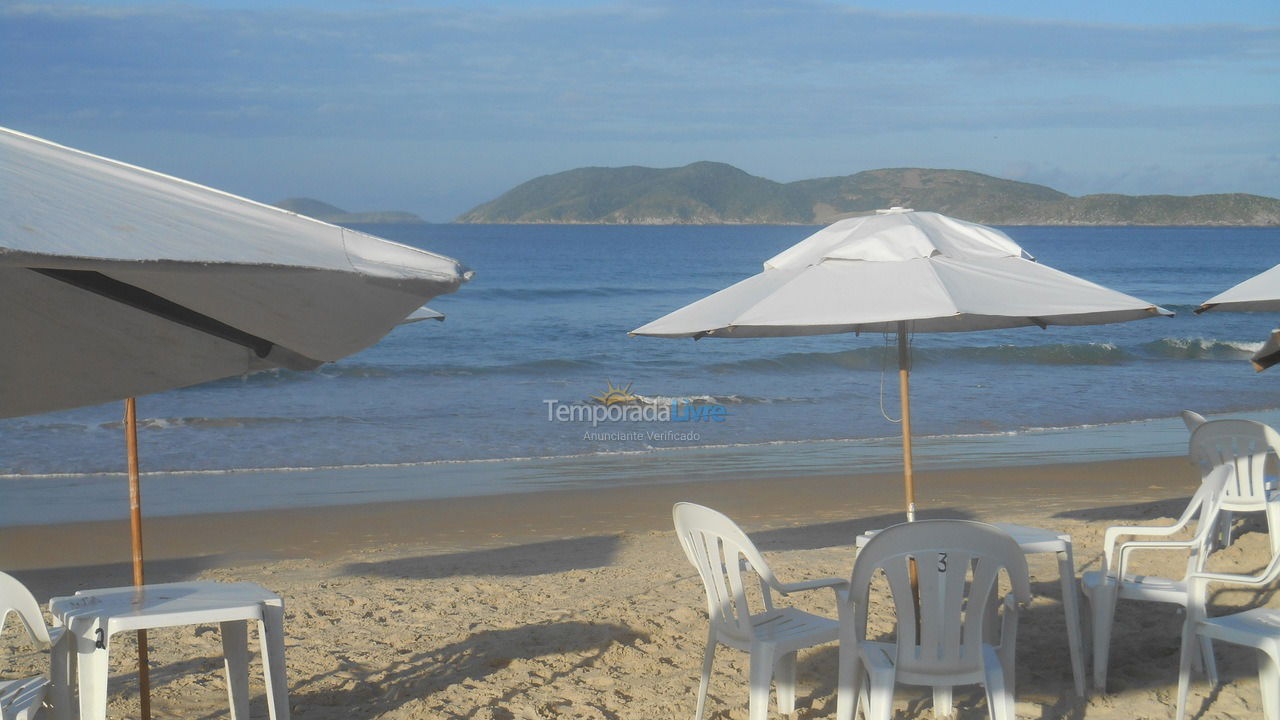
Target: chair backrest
(716, 546)
(1193, 419)
(15, 598)
(1245, 445)
(958, 565)
(1209, 498)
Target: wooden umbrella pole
(135, 525)
(904, 392)
(908, 477)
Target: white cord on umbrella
(883, 363)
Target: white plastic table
(1036, 540)
(93, 616)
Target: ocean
(468, 406)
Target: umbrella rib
(136, 297)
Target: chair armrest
(1268, 575)
(835, 583)
(1125, 550)
(1113, 534)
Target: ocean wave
(358, 371)
(1094, 353)
(875, 358)
(893, 440)
(1190, 348)
(176, 423)
(601, 291)
(716, 400)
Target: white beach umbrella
(1260, 293)
(905, 272)
(117, 281)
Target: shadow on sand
(539, 558)
(361, 691)
(422, 674)
(840, 532)
(50, 582)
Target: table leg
(61, 673)
(235, 659)
(1071, 606)
(271, 635)
(91, 670)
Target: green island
(328, 213)
(716, 193)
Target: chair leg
(1185, 657)
(943, 705)
(999, 697)
(784, 678)
(1207, 662)
(849, 685)
(1269, 683)
(761, 677)
(880, 695)
(708, 656)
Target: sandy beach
(579, 604)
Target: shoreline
(101, 496)
(179, 544)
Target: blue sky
(435, 107)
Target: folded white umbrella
(1260, 293)
(117, 281)
(905, 272)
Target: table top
(1030, 539)
(164, 604)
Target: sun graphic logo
(616, 395)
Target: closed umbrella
(904, 272)
(1260, 293)
(117, 281)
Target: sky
(435, 107)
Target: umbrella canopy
(1260, 293)
(868, 274)
(900, 271)
(199, 284)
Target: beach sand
(579, 604)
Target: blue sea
(462, 407)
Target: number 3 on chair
(942, 562)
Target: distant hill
(712, 193)
(336, 215)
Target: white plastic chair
(721, 552)
(1113, 582)
(22, 699)
(1245, 445)
(953, 639)
(1258, 628)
